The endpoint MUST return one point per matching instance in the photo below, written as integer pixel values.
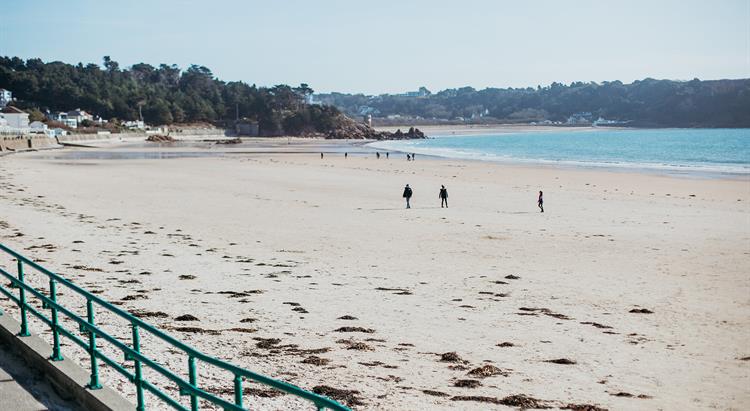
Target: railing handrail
(320, 401)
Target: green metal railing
(88, 326)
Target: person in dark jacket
(407, 195)
(540, 202)
(443, 195)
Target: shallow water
(725, 151)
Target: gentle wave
(487, 148)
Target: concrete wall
(25, 142)
(79, 138)
(11, 143)
(176, 132)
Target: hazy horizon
(350, 47)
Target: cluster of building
(72, 118)
(16, 121)
(586, 118)
(422, 92)
(583, 118)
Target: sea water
(675, 151)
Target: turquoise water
(671, 150)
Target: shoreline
(199, 148)
(630, 168)
(312, 145)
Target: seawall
(10, 144)
(24, 142)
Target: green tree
(36, 115)
(158, 112)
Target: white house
(55, 115)
(79, 115)
(38, 127)
(16, 118)
(57, 132)
(579, 118)
(137, 124)
(62, 117)
(5, 97)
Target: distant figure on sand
(443, 195)
(386, 155)
(408, 157)
(407, 195)
(413, 156)
(346, 155)
(321, 156)
(377, 154)
(540, 202)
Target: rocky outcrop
(411, 134)
(350, 129)
(156, 138)
(236, 140)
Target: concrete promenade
(29, 381)
(25, 389)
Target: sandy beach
(630, 292)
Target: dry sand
(307, 241)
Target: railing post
(238, 390)
(56, 356)
(94, 383)
(22, 296)
(193, 377)
(138, 372)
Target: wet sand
(630, 292)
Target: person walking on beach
(346, 155)
(377, 154)
(321, 156)
(408, 157)
(443, 195)
(413, 156)
(540, 202)
(386, 155)
(407, 195)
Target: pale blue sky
(391, 46)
